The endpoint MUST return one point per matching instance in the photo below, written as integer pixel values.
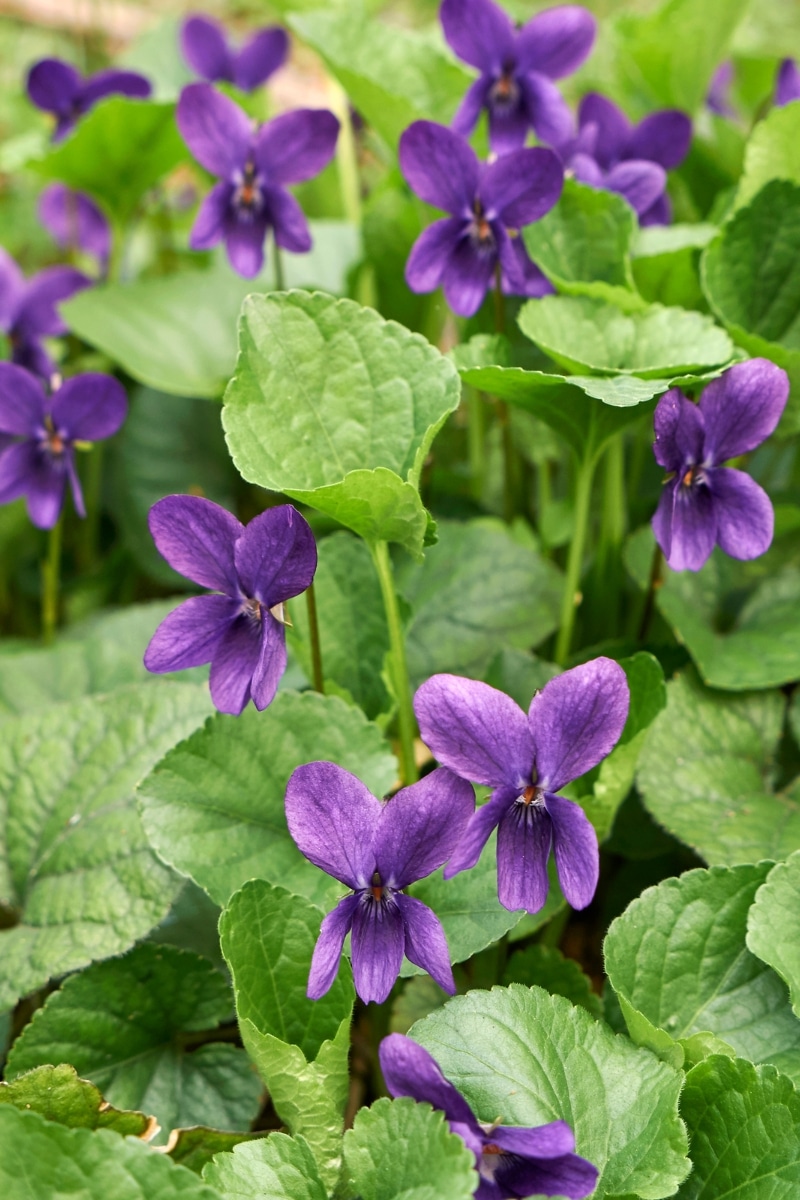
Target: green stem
(544, 496)
(51, 574)
(607, 571)
(93, 500)
(313, 637)
(280, 282)
(571, 598)
(397, 660)
(117, 257)
(653, 585)
(346, 155)
(510, 472)
(476, 438)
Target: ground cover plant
(400, 599)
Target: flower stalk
(571, 596)
(51, 581)
(407, 725)
(313, 637)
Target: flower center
(376, 887)
(248, 198)
(53, 442)
(504, 92)
(692, 476)
(480, 230)
(252, 609)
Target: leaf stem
(652, 587)
(571, 597)
(280, 282)
(503, 416)
(313, 637)
(397, 662)
(93, 497)
(51, 575)
(607, 570)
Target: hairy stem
(407, 725)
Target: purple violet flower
(482, 735)
(512, 1161)
(253, 166)
(377, 849)
(57, 87)
(704, 503)
(787, 83)
(253, 570)
(45, 430)
(75, 221)
(632, 160)
(28, 310)
(718, 95)
(517, 68)
(208, 52)
(463, 251)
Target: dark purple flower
(718, 95)
(28, 310)
(482, 735)
(58, 88)
(45, 429)
(75, 221)
(632, 160)
(377, 849)
(787, 84)
(208, 52)
(705, 504)
(517, 68)
(512, 1161)
(463, 251)
(253, 166)
(253, 570)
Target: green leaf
(519, 675)
(773, 152)
(39, 1158)
(584, 410)
(752, 280)
(168, 445)
(97, 655)
(393, 76)
(547, 968)
(678, 962)
(398, 1146)
(352, 622)
(123, 1024)
(583, 245)
(654, 240)
(195, 1147)
(772, 924)
(738, 620)
(531, 1058)
(177, 334)
(584, 333)
(273, 1168)
(477, 588)
(308, 1097)
(325, 389)
(420, 995)
(75, 866)
(57, 1094)
(744, 1122)
(268, 936)
(705, 774)
(118, 151)
(670, 55)
(214, 807)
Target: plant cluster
(442, 433)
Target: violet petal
(37, 314)
(333, 818)
(613, 127)
(276, 556)
(509, 124)
(296, 146)
(638, 182)
(570, 1176)
(197, 539)
(205, 48)
(659, 213)
(468, 276)
(556, 41)
(88, 408)
(426, 944)
(542, 1141)
(745, 518)
(409, 1070)
(429, 255)
(479, 32)
(328, 950)
(53, 85)
(663, 138)
(587, 171)
(260, 57)
(210, 222)
(377, 944)
(22, 402)
(215, 129)
(113, 82)
(476, 98)
(521, 187)
(421, 826)
(526, 279)
(576, 720)
(232, 666)
(742, 408)
(575, 849)
(12, 288)
(475, 730)
(694, 528)
(18, 466)
(787, 86)
(190, 634)
(288, 220)
(479, 830)
(547, 109)
(75, 221)
(244, 243)
(680, 431)
(271, 662)
(524, 836)
(440, 167)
